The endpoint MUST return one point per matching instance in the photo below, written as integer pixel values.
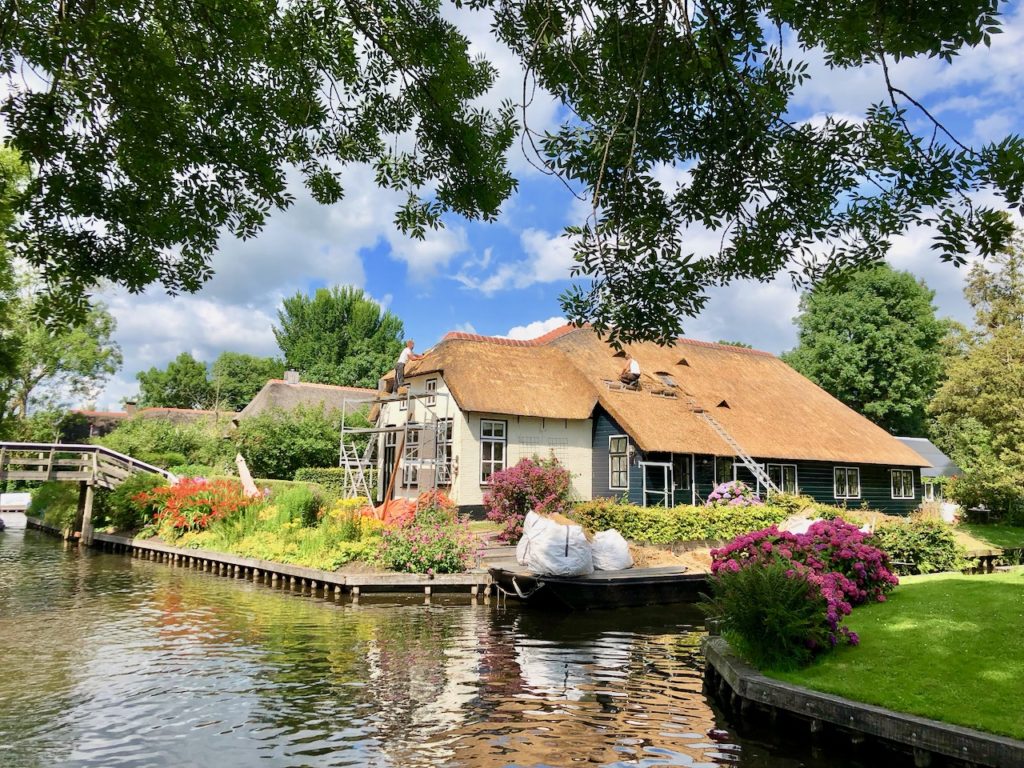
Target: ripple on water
(111, 661)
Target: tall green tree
(979, 409)
(182, 384)
(14, 174)
(338, 336)
(57, 363)
(235, 378)
(872, 340)
(169, 123)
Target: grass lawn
(996, 534)
(946, 646)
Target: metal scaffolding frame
(425, 447)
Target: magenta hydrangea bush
(831, 557)
(540, 485)
(733, 494)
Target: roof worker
(405, 357)
(630, 375)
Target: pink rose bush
(834, 567)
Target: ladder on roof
(745, 458)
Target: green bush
(769, 616)
(55, 503)
(278, 443)
(920, 546)
(161, 442)
(195, 470)
(332, 478)
(300, 503)
(120, 509)
(658, 525)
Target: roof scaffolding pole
(426, 447)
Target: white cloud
(424, 258)
(548, 259)
(465, 328)
(535, 329)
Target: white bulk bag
(559, 550)
(610, 551)
(532, 526)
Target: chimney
(291, 377)
(130, 407)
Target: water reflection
(111, 661)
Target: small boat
(602, 589)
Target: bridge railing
(93, 464)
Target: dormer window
(683, 361)
(723, 404)
(666, 379)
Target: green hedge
(920, 546)
(55, 503)
(333, 478)
(658, 525)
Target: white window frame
(846, 479)
(624, 455)
(410, 460)
(892, 484)
(431, 398)
(494, 465)
(782, 476)
(444, 449)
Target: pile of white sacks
(551, 548)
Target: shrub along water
(55, 503)
(121, 510)
(436, 540)
(832, 564)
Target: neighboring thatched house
(99, 423)
(286, 395)
(484, 403)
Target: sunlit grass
(944, 646)
(996, 534)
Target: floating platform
(629, 588)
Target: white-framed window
(493, 447)
(403, 404)
(846, 482)
(444, 451)
(431, 398)
(618, 462)
(902, 482)
(724, 469)
(410, 464)
(784, 477)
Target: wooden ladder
(745, 459)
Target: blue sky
(504, 278)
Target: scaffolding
(416, 454)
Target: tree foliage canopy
(169, 123)
(183, 384)
(236, 377)
(871, 339)
(338, 336)
(979, 410)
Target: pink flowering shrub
(541, 485)
(733, 494)
(832, 564)
(435, 540)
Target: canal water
(110, 661)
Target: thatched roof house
(288, 395)
(653, 440)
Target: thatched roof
(281, 395)
(770, 409)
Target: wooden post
(83, 520)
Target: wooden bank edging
(922, 736)
(473, 583)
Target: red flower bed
(193, 503)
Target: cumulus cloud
(535, 329)
(548, 259)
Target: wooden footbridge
(91, 466)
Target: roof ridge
(729, 347)
(318, 384)
(551, 335)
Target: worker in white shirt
(405, 357)
(631, 373)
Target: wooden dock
(473, 584)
